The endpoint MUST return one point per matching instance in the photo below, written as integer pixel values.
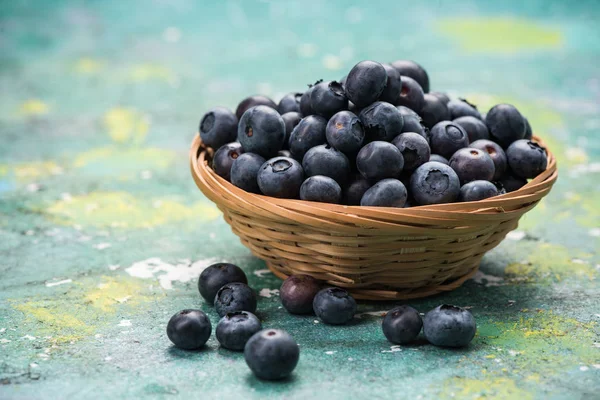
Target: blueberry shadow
(230, 354)
(183, 353)
(268, 386)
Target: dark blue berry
(309, 132)
(476, 129)
(253, 101)
(379, 160)
(327, 161)
(510, 182)
(477, 190)
(438, 158)
(189, 329)
(355, 190)
(506, 124)
(224, 158)
(472, 164)
(411, 95)
(284, 153)
(433, 111)
(446, 138)
(297, 293)
(281, 177)
(413, 122)
(218, 127)
(235, 296)
(216, 276)
(393, 85)
(322, 189)
(328, 98)
(236, 328)
(345, 132)
(385, 193)
(305, 106)
(365, 83)
(414, 148)
(334, 306)
(382, 121)
(449, 326)
(262, 131)
(462, 108)
(290, 120)
(413, 70)
(289, 103)
(271, 354)
(496, 153)
(528, 131)
(402, 325)
(526, 159)
(244, 172)
(443, 97)
(434, 183)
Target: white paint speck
(63, 282)
(584, 368)
(33, 187)
(98, 335)
(262, 272)
(330, 352)
(268, 292)
(393, 349)
(168, 273)
(2, 330)
(29, 232)
(212, 235)
(125, 322)
(515, 235)
(102, 246)
(514, 353)
(578, 261)
(28, 337)
(595, 232)
(490, 280)
(44, 356)
(316, 321)
(123, 299)
(107, 358)
(66, 197)
(114, 267)
(3, 341)
(497, 360)
(33, 365)
(373, 313)
(350, 359)
(146, 175)
(596, 344)
(597, 366)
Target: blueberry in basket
(415, 71)
(446, 138)
(224, 158)
(382, 121)
(309, 132)
(472, 164)
(218, 127)
(379, 160)
(476, 129)
(496, 153)
(506, 124)
(289, 103)
(411, 95)
(414, 148)
(393, 85)
(477, 190)
(244, 172)
(365, 83)
(345, 132)
(433, 111)
(322, 189)
(434, 183)
(327, 98)
(253, 101)
(327, 161)
(281, 177)
(526, 158)
(355, 189)
(462, 108)
(261, 130)
(413, 122)
(290, 120)
(385, 193)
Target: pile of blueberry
(376, 138)
(272, 353)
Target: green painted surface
(102, 231)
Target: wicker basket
(376, 253)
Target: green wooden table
(103, 233)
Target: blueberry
(236, 296)
(506, 124)
(322, 189)
(355, 190)
(528, 131)
(281, 177)
(438, 158)
(413, 70)
(446, 138)
(462, 108)
(365, 83)
(510, 182)
(290, 120)
(393, 85)
(345, 132)
(414, 148)
(224, 158)
(244, 172)
(262, 131)
(477, 190)
(433, 111)
(352, 108)
(334, 306)
(271, 354)
(328, 98)
(253, 101)
(382, 121)
(402, 325)
(189, 329)
(297, 293)
(216, 276)
(236, 328)
(385, 193)
(472, 164)
(411, 95)
(496, 153)
(449, 326)
(499, 187)
(305, 106)
(289, 103)
(218, 127)
(443, 97)
(526, 159)
(434, 183)
(413, 122)
(343, 80)
(284, 153)
(327, 161)
(476, 129)
(310, 132)
(379, 160)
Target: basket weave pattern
(376, 253)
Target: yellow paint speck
(112, 292)
(487, 388)
(126, 125)
(146, 72)
(34, 107)
(88, 66)
(31, 171)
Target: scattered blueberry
(334, 306)
(413, 70)
(446, 138)
(510, 182)
(382, 121)
(434, 183)
(236, 328)
(438, 158)
(393, 85)
(506, 124)
(224, 158)
(236, 296)
(281, 177)
(414, 148)
(271, 354)
(262, 131)
(244, 171)
(385, 193)
(310, 132)
(218, 127)
(327, 161)
(476, 129)
(297, 293)
(462, 108)
(411, 95)
(449, 326)
(496, 153)
(443, 97)
(355, 190)
(528, 131)
(365, 83)
(477, 190)
(322, 189)
(472, 164)
(327, 98)
(433, 111)
(379, 160)
(189, 329)
(216, 276)
(345, 132)
(253, 101)
(289, 103)
(402, 325)
(526, 158)
(290, 120)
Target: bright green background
(102, 231)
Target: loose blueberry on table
(235, 296)
(402, 325)
(189, 329)
(297, 293)
(334, 306)
(215, 276)
(449, 326)
(236, 328)
(271, 354)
